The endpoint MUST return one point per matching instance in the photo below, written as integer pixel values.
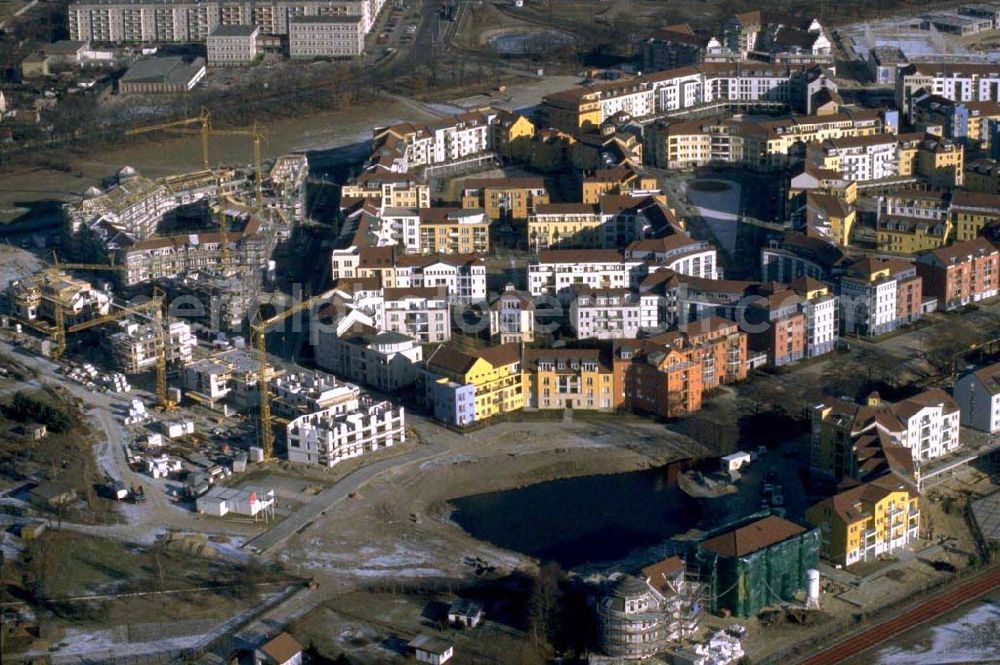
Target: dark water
(580, 520)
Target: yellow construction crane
(204, 119)
(258, 327)
(58, 332)
(256, 132)
(223, 224)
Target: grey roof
(234, 31)
(172, 69)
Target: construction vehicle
(258, 328)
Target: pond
(575, 521)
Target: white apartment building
(613, 313)
(978, 396)
(134, 206)
(868, 305)
(134, 346)
(326, 36)
(680, 253)
(327, 438)
(463, 276)
(385, 361)
(400, 226)
(446, 141)
(233, 45)
(928, 425)
(419, 312)
(192, 21)
(960, 82)
(862, 158)
(512, 317)
(557, 270)
(820, 308)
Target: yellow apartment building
(618, 180)
(454, 231)
(863, 522)
(569, 379)
(505, 198)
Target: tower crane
(258, 327)
(204, 118)
(257, 133)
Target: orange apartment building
(668, 374)
(783, 326)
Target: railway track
(926, 611)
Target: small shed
(465, 613)
(32, 531)
(36, 431)
(430, 649)
(282, 649)
(52, 495)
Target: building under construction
(222, 299)
(134, 345)
(36, 297)
(755, 565)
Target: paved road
(310, 512)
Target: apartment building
(569, 379)
(134, 346)
(612, 313)
(701, 87)
(512, 316)
(565, 226)
(418, 312)
(879, 295)
(667, 374)
(385, 361)
(962, 122)
(675, 46)
(504, 199)
(982, 175)
(777, 326)
(462, 276)
(192, 21)
(865, 441)
(829, 216)
(680, 253)
(960, 82)
(326, 36)
(465, 137)
(761, 145)
(800, 255)
(297, 393)
(462, 388)
(866, 521)
(621, 180)
(557, 270)
(861, 158)
(134, 205)
(971, 212)
(941, 162)
(164, 257)
(454, 231)
(35, 298)
(910, 235)
(328, 437)
(233, 45)
(960, 274)
(394, 190)
(819, 305)
(977, 394)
